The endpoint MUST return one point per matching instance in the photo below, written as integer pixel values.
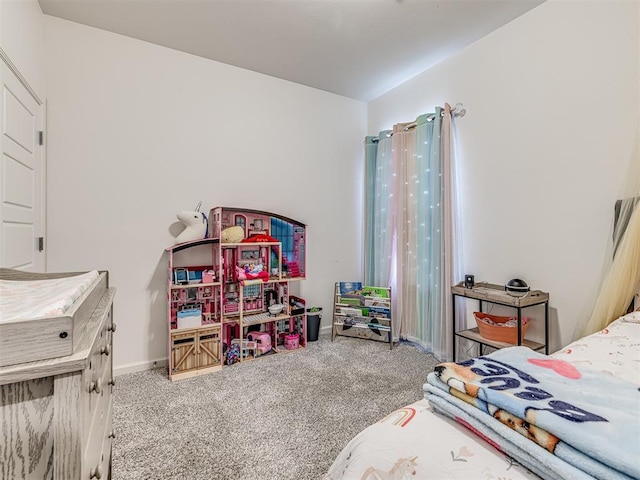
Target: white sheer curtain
(406, 280)
(412, 218)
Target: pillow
(232, 235)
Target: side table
(496, 294)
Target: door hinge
(40, 137)
(40, 244)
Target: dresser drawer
(97, 376)
(97, 462)
(100, 423)
(102, 350)
(105, 458)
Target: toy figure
(253, 269)
(196, 225)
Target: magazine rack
(362, 312)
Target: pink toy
(263, 339)
(291, 341)
(246, 275)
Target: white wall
(138, 132)
(552, 109)
(22, 39)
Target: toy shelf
(219, 293)
(280, 350)
(261, 318)
(190, 329)
(175, 286)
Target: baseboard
(139, 367)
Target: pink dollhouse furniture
(291, 341)
(263, 339)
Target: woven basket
(500, 333)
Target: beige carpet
(280, 417)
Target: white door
(21, 176)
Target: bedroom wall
(552, 110)
(138, 132)
(22, 39)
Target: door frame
(43, 150)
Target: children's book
(376, 302)
(351, 312)
(380, 312)
(375, 292)
(355, 300)
(350, 288)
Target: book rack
(362, 312)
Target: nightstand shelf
(474, 335)
(496, 294)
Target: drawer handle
(112, 434)
(96, 472)
(112, 382)
(96, 386)
(112, 328)
(106, 350)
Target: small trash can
(314, 315)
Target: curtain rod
(457, 111)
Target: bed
(517, 414)
(42, 315)
(429, 439)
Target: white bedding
(25, 299)
(415, 442)
(614, 350)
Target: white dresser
(55, 415)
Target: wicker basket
(500, 333)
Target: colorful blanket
(584, 420)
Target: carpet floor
(279, 417)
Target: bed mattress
(42, 316)
(417, 442)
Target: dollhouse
(230, 301)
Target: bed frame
(30, 339)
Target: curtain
(411, 229)
(621, 281)
(379, 171)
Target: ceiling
(356, 48)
